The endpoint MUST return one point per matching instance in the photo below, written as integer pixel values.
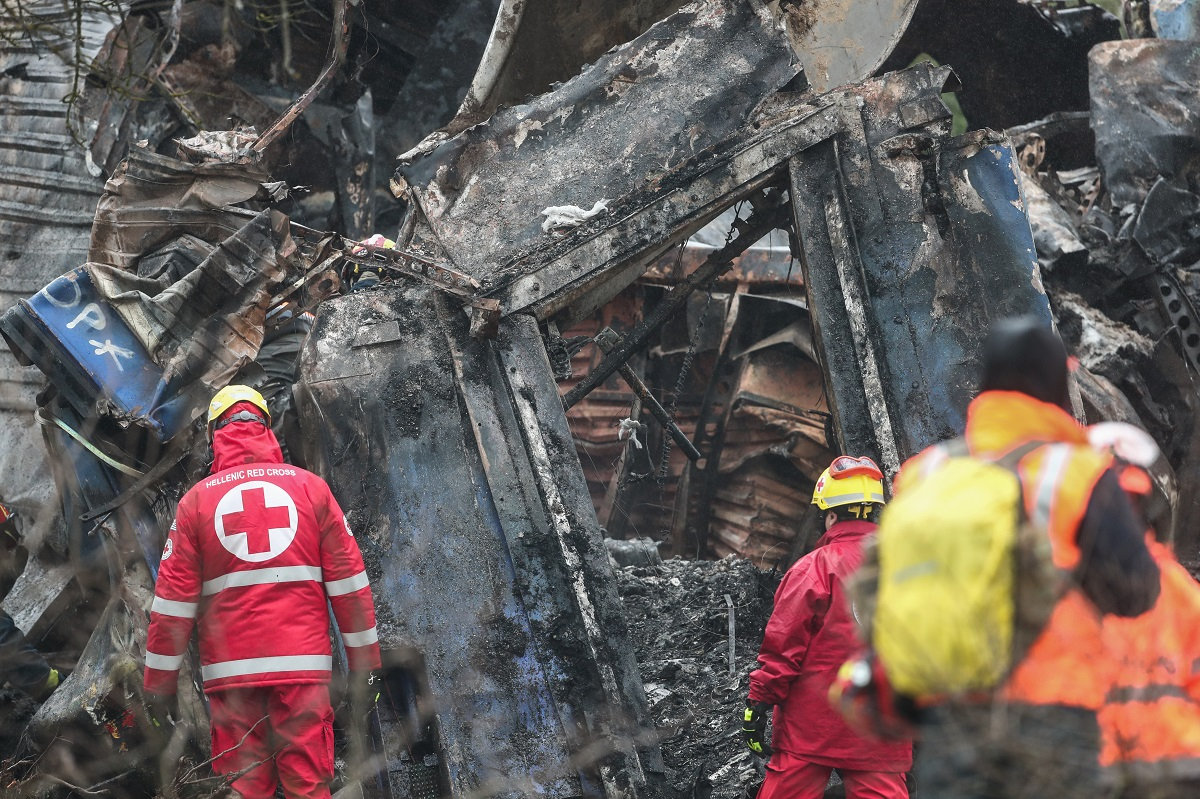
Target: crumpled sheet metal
(48, 193)
(1054, 233)
(152, 200)
(150, 348)
(603, 134)
(208, 324)
(1144, 98)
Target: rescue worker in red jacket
(255, 552)
(811, 633)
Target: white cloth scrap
(567, 216)
(630, 427)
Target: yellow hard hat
(849, 481)
(229, 396)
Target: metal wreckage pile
(797, 258)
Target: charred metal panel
(461, 483)
(567, 277)
(603, 134)
(1144, 95)
(845, 41)
(912, 247)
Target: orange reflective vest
(1150, 723)
(1067, 664)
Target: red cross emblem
(255, 521)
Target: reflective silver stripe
(1053, 466)
(169, 607)
(1182, 768)
(1146, 693)
(348, 585)
(279, 574)
(363, 638)
(843, 499)
(163, 662)
(936, 457)
(240, 668)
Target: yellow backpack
(960, 581)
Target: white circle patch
(256, 521)
(168, 548)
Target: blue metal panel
(93, 336)
(91, 355)
(979, 267)
(1176, 20)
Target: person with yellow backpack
(811, 632)
(994, 563)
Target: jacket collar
(844, 531)
(997, 421)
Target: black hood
(1023, 354)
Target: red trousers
(282, 733)
(789, 777)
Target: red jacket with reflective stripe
(255, 551)
(810, 635)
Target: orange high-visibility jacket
(1150, 723)
(1066, 664)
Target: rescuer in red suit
(254, 553)
(811, 633)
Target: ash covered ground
(679, 621)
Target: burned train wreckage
(431, 400)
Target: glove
(365, 688)
(754, 727)
(162, 710)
